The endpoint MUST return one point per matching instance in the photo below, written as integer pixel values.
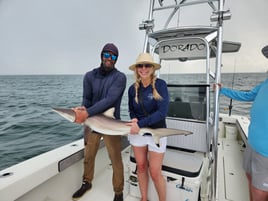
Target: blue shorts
(147, 140)
(257, 166)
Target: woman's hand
(81, 114)
(134, 128)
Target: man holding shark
(103, 88)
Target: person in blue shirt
(103, 88)
(148, 106)
(255, 161)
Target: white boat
(206, 165)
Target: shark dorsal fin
(109, 113)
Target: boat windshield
(187, 101)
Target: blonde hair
(156, 95)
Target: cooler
(183, 171)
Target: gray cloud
(66, 36)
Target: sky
(66, 36)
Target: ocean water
(28, 126)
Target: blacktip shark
(106, 124)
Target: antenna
(231, 100)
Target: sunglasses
(107, 55)
(144, 65)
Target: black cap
(110, 47)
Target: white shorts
(147, 140)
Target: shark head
(66, 113)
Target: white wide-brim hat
(145, 58)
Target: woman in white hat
(148, 105)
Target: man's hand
(214, 86)
(81, 114)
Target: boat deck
(30, 180)
(232, 183)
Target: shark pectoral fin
(156, 140)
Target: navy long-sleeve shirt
(101, 92)
(156, 109)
